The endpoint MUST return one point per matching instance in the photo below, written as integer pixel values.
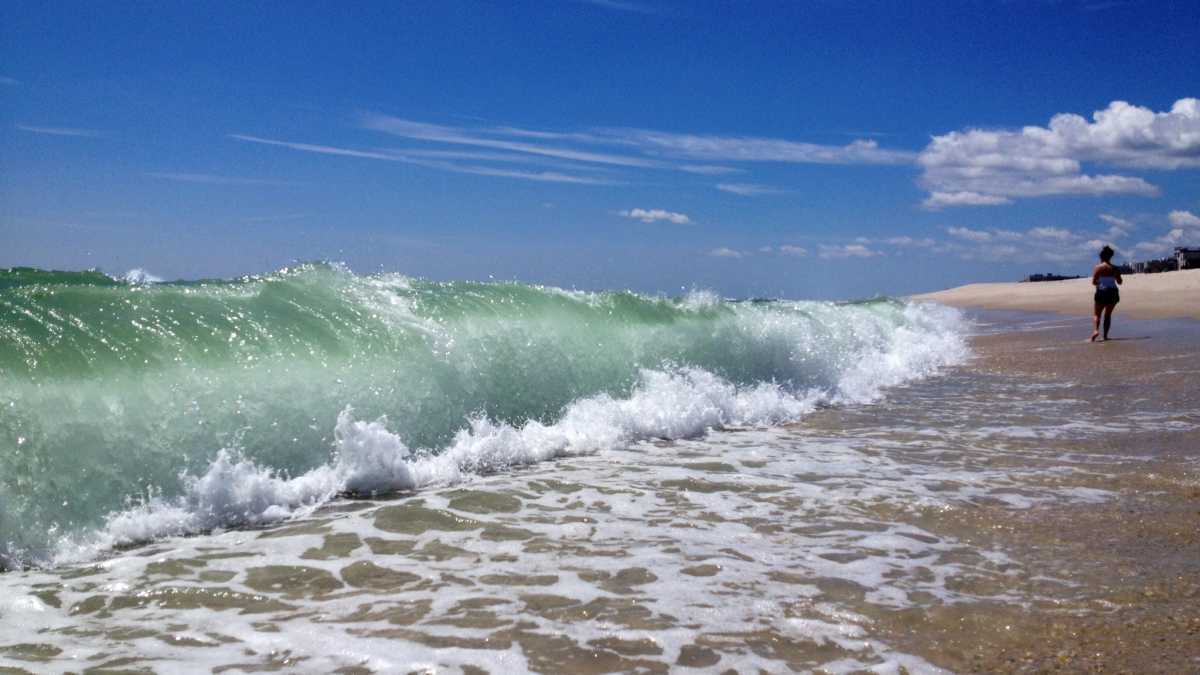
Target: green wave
(109, 390)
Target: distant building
(1153, 266)
(1187, 258)
(1048, 277)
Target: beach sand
(1035, 510)
(1143, 296)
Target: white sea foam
(371, 458)
(138, 275)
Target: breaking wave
(132, 410)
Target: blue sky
(799, 149)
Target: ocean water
(132, 410)
(313, 471)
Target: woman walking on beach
(1105, 277)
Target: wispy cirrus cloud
(622, 6)
(980, 167)
(598, 156)
(212, 179)
(640, 148)
(757, 149)
(748, 189)
(443, 134)
(392, 156)
(726, 252)
(61, 131)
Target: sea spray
(130, 411)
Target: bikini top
(1105, 283)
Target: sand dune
(1143, 296)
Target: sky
(820, 149)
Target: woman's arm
(1096, 275)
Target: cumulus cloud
(747, 189)
(1161, 246)
(724, 252)
(1184, 219)
(655, 215)
(988, 167)
(796, 251)
(847, 251)
(937, 200)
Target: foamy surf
(170, 409)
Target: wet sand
(1143, 296)
(1035, 510)
(1135, 558)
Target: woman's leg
(1096, 322)
(1108, 310)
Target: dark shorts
(1107, 296)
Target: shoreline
(1165, 295)
(954, 506)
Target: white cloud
(847, 251)
(443, 134)
(1184, 219)
(622, 6)
(724, 252)
(1117, 227)
(909, 241)
(937, 200)
(747, 189)
(597, 157)
(391, 156)
(1161, 246)
(754, 149)
(796, 251)
(653, 146)
(708, 169)
(969, 234)
(1051, 233)
(61, 131)
(977, 165)
(654, 215)
(1116, 221)
(212, 179)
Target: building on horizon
(1187, 258)
(1049, 276)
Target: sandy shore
(1143, 296)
